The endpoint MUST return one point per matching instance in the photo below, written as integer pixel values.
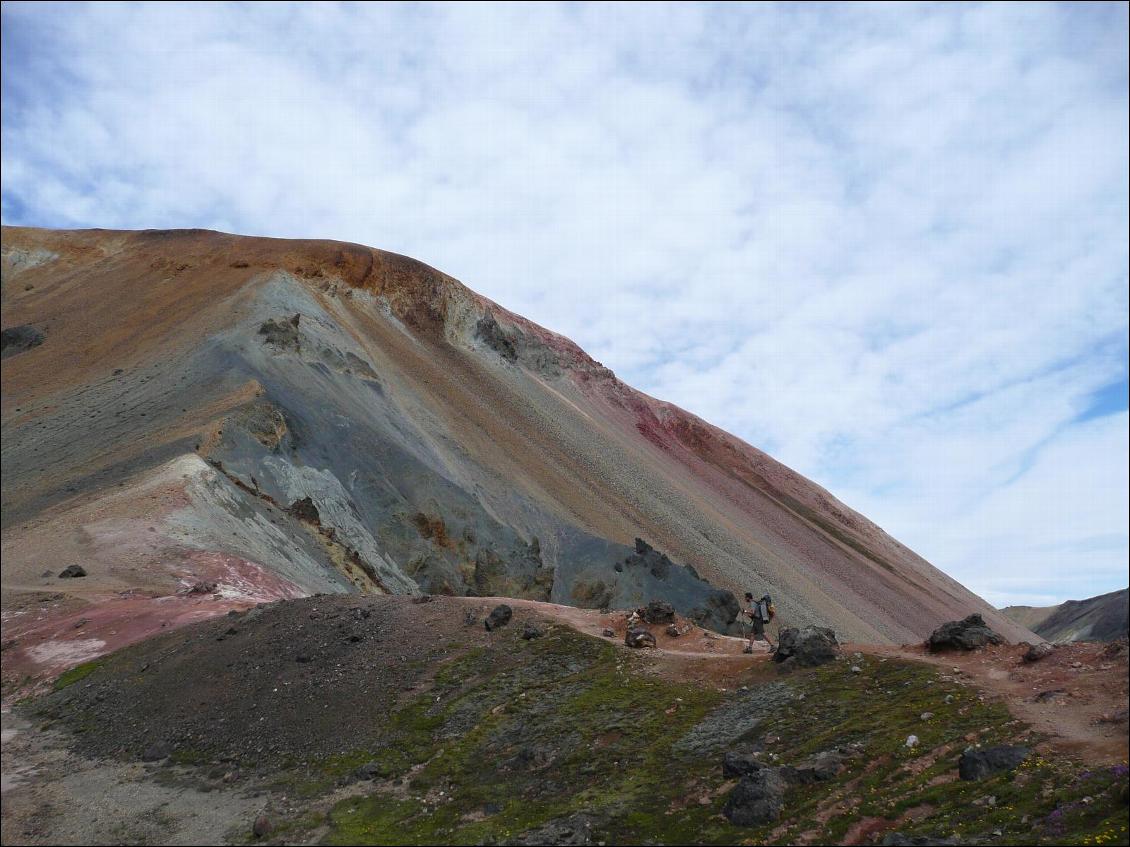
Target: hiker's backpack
(764, 610)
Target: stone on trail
(637, 636)
(72, 571)
(979, 764)
(499, 616)
(967, 634)
(758, 798)
(673, 631)
(609, 633)
(808, 647)
(659, 611)
(1039, 651)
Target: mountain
(1102, 618)
(201, 421)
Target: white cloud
(888, 244)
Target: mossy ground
(77, 673)
(522, 734)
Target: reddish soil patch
(39, 647)
(1090, 681)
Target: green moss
(77, 673)
(188, 756)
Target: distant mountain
(192, 415)
(1102, 618)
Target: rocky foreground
(374, 720)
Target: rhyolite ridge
(284, 418)
(1102, 618)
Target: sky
(885, 243)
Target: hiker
(759, 614)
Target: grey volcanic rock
(499, 617)
(740, 764)
(532, 630)
(281, 333)
(979, 764)
(758, 798)
(19, 339)
(1039, 651)
(967, 634)
(898, 839)
(806, 648)
(638, 636)
(659, 611)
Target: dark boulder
(576, 829)
(156, 752)
(19, 339)
(262, 827)
(819, 768)
(637, 636)
(758, 798)
(967, 634)
(500, 616)
(808, 647)
(532, 631)
(1039, 651)
(673, 631)
(979, 764)
(897, 839)
(659, 611)
(740, 764)
(72, 572)
(371, 771)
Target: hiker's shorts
(758, 626)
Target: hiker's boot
(748, 648)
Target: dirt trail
(1080, 683)
(693, 640)
(1072, 695)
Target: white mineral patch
(67, 652)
